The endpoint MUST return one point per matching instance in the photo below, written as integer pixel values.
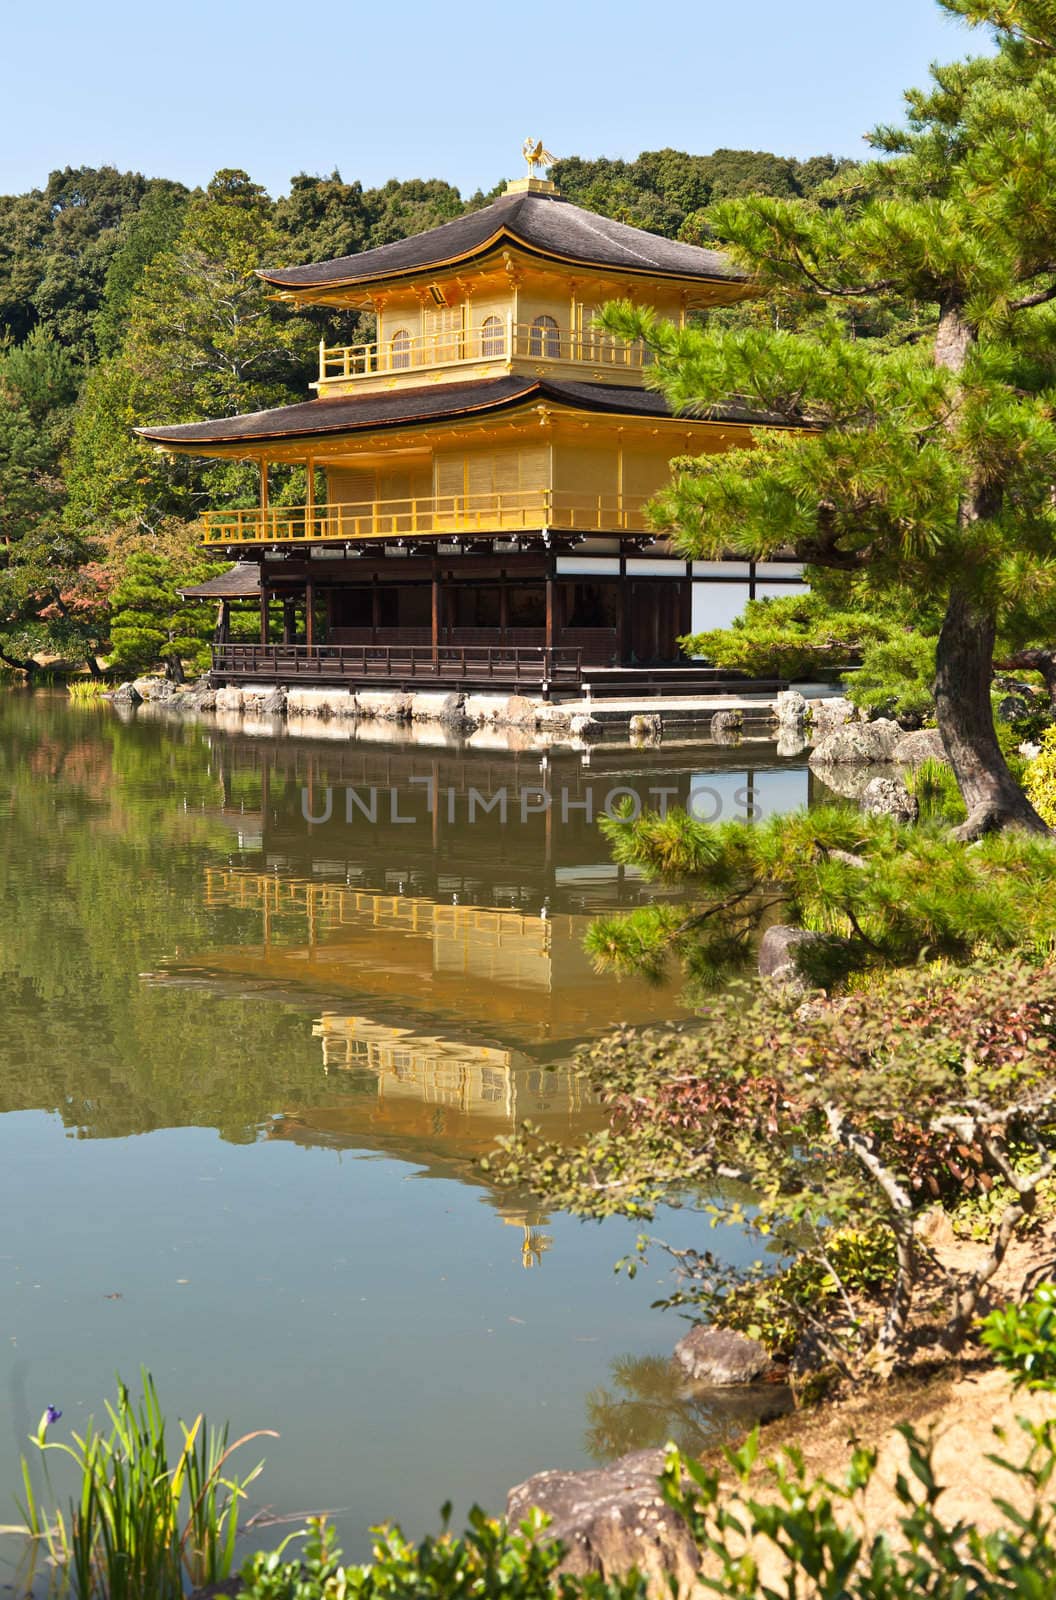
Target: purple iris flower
(52, 1415)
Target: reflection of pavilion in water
(443, 962)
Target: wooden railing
(434, 516)
(284, 663)
(498, 342)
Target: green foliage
(1041, 779)
(934, 785)
(1022, 1339)
(826, 1133)
(881, 895)
(136, 1524)
(489, 1561)
(924, 463)
(814, 1530)
(792, 636)
(151, 623)
(896, 676)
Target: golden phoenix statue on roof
(536, 155)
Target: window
(492, 337)
(400, 347)
(544, 338)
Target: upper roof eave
(544, 226)
(348, 414)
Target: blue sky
(416, 89)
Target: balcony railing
(434, 516)
(506, 338)
(335, 663)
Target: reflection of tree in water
(650, 1401)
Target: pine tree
(923, 467)
(151, 623)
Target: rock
(384, 705)
(273, 702)
(229, 698)
(913, 749)
(726, 725)
(437, 706)
(585, 727)
(485, 708)
(1012, 707)
(154, 689)
(647, 725)
(612, 1519)
(828, 715)
(779, 950)
(553, 719)
(126, 695)
(846, 783)
(1005, 685)
(720, 1357)
(889, 797)
(324, 703)
(790, 708)
(790, 742)
(263, 699)
(858, 742)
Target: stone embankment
(333, 712)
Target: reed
(138, 1527)
(87, 689)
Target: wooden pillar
(551, 602)
(263, 608)
(623, 620)
(309, 614)
(263, 484)
(310, 530)
(504, 607)
(435, 619)
(223, 623)
(288, 621)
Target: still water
(264, 1000)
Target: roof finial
(536, 155)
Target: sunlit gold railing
(495, 343)
(437, 516)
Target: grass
(137, 1526)
(87, 689)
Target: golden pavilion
(477, 476)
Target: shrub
(826, 1133)
(489, 1561)
(1041, 779)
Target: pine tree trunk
(965, 657)
(964, 667)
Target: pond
(264, 1001)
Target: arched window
(544, 338)
(400, 348)
(492, 337)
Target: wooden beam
(309, 613)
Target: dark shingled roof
(544, 224)
(348, 413)
(240, 582)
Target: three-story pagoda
(476, 477)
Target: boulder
(154, 689)
(485, 708)
(647, 725)
(585, 727)
(229, 698)
(263, 699)
(913, 749)
(384, 705)
(612, 1519)
(721, 1357)
(552, 719)
(779, 950)
(828, 715)
(846, 783)
(889, 797)
(858, 742)
(126, 695)
(790, 708)
(323, 703)
(790, 742)
(726, 725)
(437, 706)
(1012, 707)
